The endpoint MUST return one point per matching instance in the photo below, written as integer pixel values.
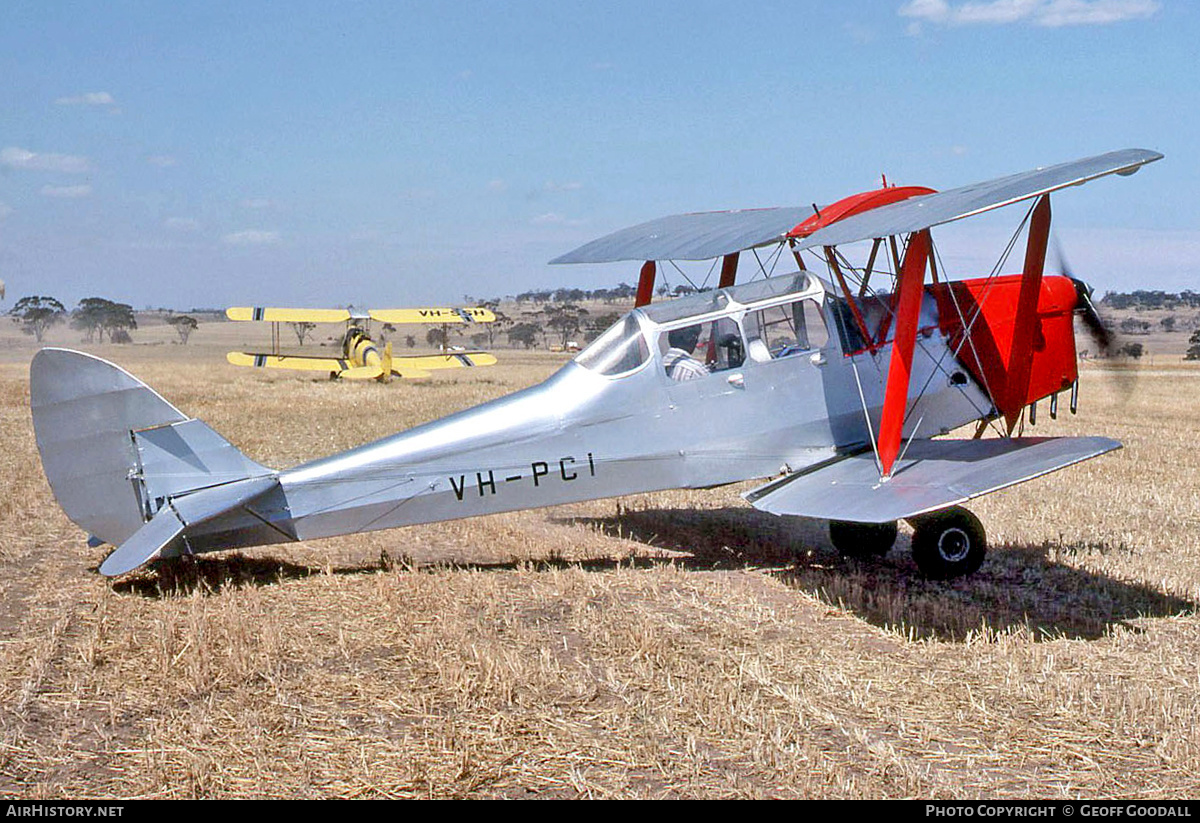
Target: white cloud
(1046, 13)
(182, 223)
(1099, 13)
(5, 210)
(255, 203)
(66, 192)
(552, 186)
(91, 98)
(552, 219)
(497, 185)
(161, 160)
(251, 237)
(17, 158)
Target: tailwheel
(862, 539)
(948, 543)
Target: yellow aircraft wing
(272, 315)
(283, 361)
(395, 316)
(450, 360)
(338, 365)
(437, 315)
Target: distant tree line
(96, 317)
(1156, 299)
(622, 291)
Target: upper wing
(439, 315)
(698, 236)
(932, 475)
(706, 235)
(273, 315)
(955, 204)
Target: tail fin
(116, 453)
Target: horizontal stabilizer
(932, 475)
(362, 373)
(148, 542)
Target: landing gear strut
(862, 539)
(948, 543)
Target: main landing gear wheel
(949, 543)
(862, 539)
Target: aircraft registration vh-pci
(836, 392)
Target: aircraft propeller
(1099, 331)
(1101, 334)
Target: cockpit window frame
(643, 334)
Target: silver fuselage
(584, 435)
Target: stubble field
(677, 644)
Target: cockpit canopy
(628, 344)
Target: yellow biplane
(361, 357)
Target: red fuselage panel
(989, 308)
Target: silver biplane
(837, 393)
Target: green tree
(302, 329)
(524, 333)
(565, 319)
(598, 324)
(500, 322)
(1193, 352)
(36, 314)
(184, 326)
(96, 316)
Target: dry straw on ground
(666, 645)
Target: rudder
(114, 450)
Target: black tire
(949, 543)
(862, 539)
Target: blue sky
(397, 153)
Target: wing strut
(910, 286)
(729, 264)
(1025, 325)
(645, 289)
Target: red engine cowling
(987, 343)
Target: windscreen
(620, 349)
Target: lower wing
(931, 475)
(332, 365)
(450, 360)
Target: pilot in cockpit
(678, 360)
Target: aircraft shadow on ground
(227, 570)
(1018, 587)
